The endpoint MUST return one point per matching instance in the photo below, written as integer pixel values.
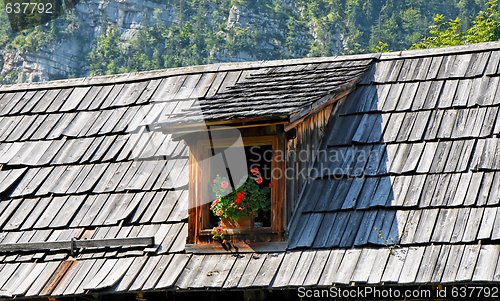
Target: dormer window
(236, 186)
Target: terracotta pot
(242, 223)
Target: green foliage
(485, 28)
(198, 31)
(381, 47)
(107, 57)
(442, 33)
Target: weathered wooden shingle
(414, 190)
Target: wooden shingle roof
(414, 200)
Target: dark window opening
(257, 156)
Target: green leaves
(486, 28)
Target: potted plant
(237, 207)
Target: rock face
(66, 55)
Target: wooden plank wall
(306, 143)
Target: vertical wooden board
(130, 275)
(446, 221)
(364, 199)
(347, 266)
(366, 227)
(20, 215)
(323, 233)
(287, 268)
(116, 274)
(129, 93)
(37, 285)
(166, 206)
(106, 96)
(353, 193)
(17, 97)
(50, 212)
(116, 215)
(8, 270)
(90, 275)
(468, 262)
(316, 268)
(74, 99)
(366, 260)
(486, 263)
(394, 265)
(173, 271)
(71, 271)
(84, 269)
(439, 196)
(484, 191)
(493, 63)
(460, 225)
(20, 275)
(473, 224)
(332, 265)
(106, 270)
(302, 268)
(205, 276)
(380, 257)
(489, 121)
(251, 270)
(338, 229)
(218, 275)
(452, 264)
(411, 265)
(496, 276)
(426, 225)
(496, 226)
(237, 270)
(67, 212)
(352, 229)
(429, 259)
(414, 218)
(229, 81)
(308, 233)
(441, 264)
(487, 223)
(94, 210)
(192, 268)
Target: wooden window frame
(199, 212)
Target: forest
(208, 31)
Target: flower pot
(242, 223)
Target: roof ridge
(415, 53)
(162, 73)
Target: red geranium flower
(259, 180)
(270, 185)
(241, 195)
(254, 171)
(238, 201)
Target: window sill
(237, 247)
(244, 236)
(236, 231)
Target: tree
(107, 57)
(485, 28)
(442, 33)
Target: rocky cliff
(65, 55)
(153, 34)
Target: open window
(243, 171)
